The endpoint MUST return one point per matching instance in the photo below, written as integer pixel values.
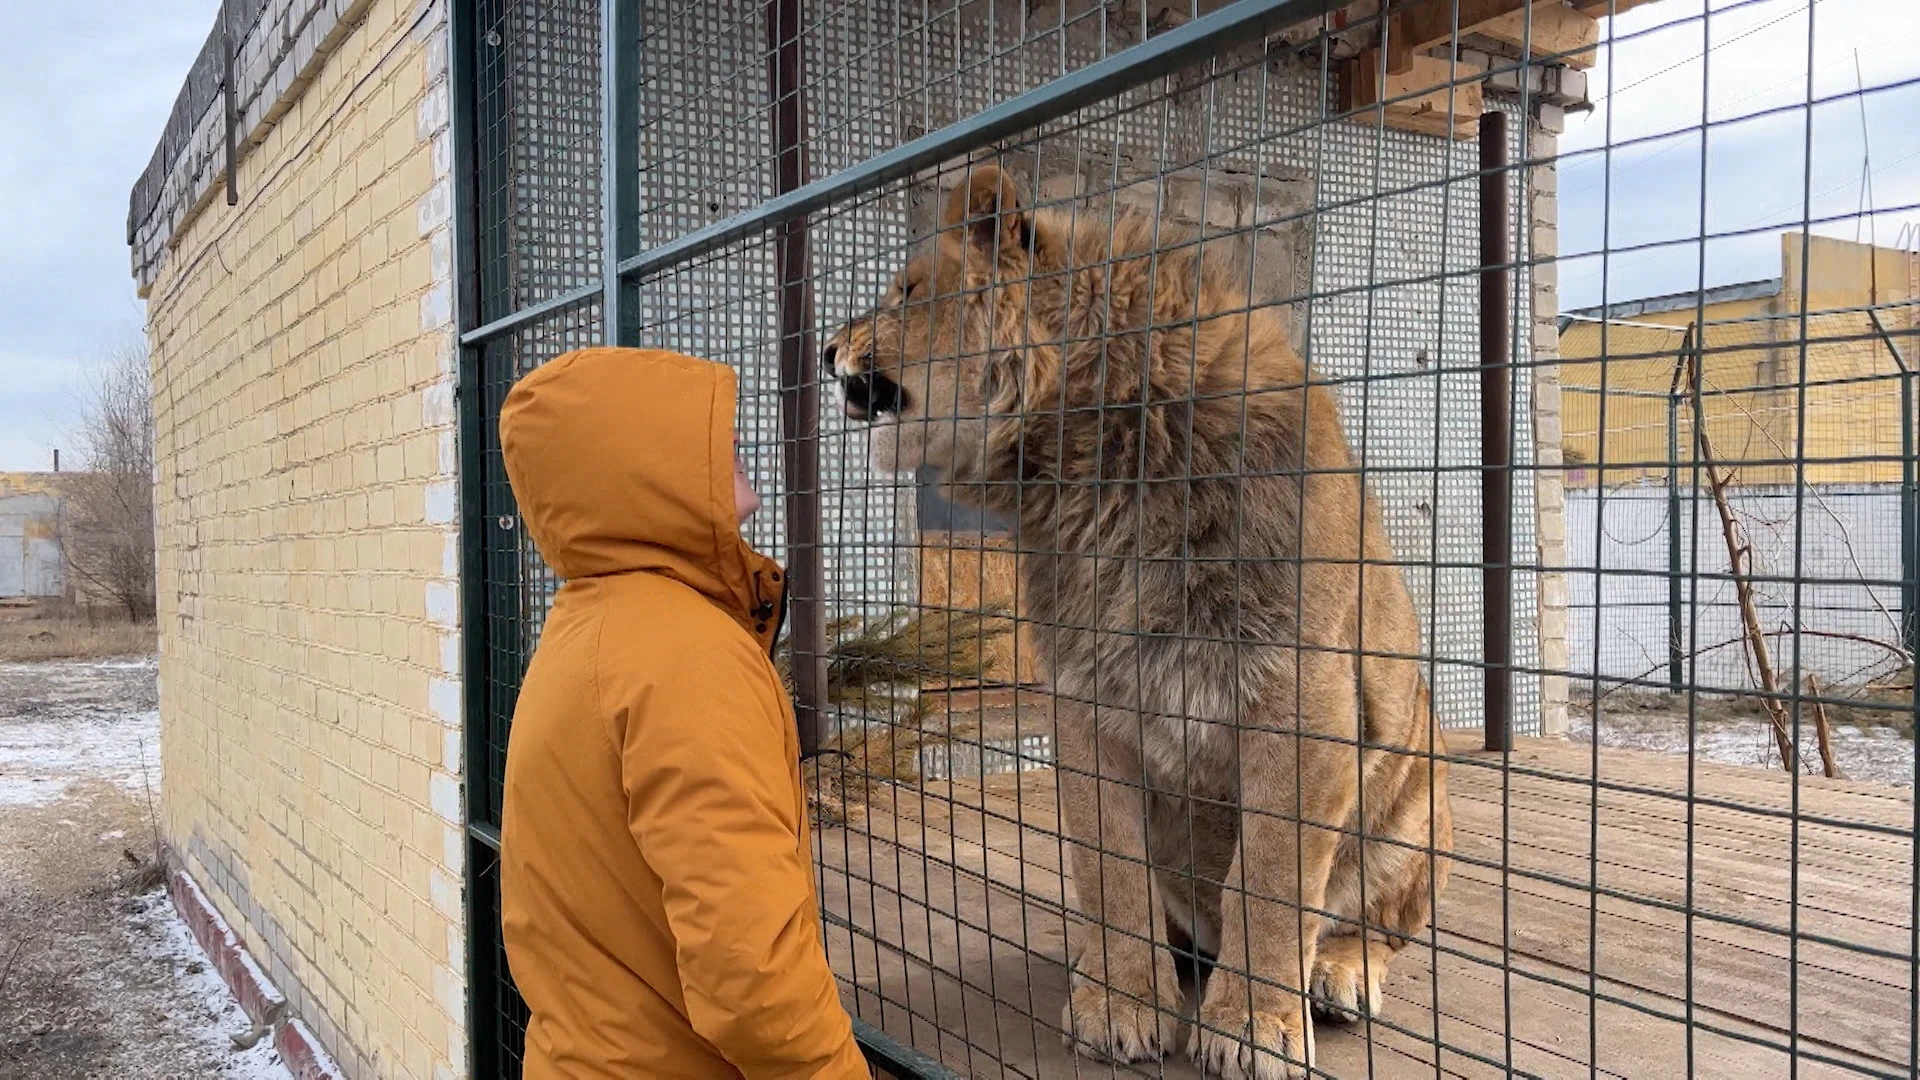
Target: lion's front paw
(1269, 1044)
(1347, 978)
(1122, 1025)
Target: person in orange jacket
(656, 874)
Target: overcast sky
(84, 91)
(1648, 192)
(88, 84)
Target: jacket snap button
(759, 628)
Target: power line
(1758, 218)
(1866, 176)
(1678, 64)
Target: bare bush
(108, 526)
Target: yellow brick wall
(302, 355)
(1751, 377)
(1750, 396)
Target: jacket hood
(621, 461)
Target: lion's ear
(987, 204)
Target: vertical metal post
(1676, 653)
(485, 1056)
(229, 100)
(799, 380)
(1496, 444)
(1909, 518)
(1676, 624)
(1909, 498)
(619, 166)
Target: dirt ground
(98, 977)
(1867, 743)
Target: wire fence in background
(1185, 470)
(1842, 536)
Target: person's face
(745, 499)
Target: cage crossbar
(1098, 81)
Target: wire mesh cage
(1248, 618)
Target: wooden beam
(1602, 9)
(1421, 26)
(1426, 75)
(1556, 30)
(1429, 121)
(1418, 99)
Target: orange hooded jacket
(656, 886)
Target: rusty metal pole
(229, 101)
(799, 381)
(1496, 445)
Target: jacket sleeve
(713, 803)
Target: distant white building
(32, 564)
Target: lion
(1215, 603)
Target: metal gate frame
(495, 1011)
(492, 661)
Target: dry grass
(27, 639)
(872, 664)
(878, 665)
(1886, 704)
(853, 767)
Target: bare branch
(1820, 500)
(108, 526)
(13, 957)
(1703, 650)
(1823, 731)
(1737, 554)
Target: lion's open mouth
(867, 395)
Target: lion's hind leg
(1401, 875)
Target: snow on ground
(159, 936)
(40, 762)
(103, 978)
(1879, 754)
(68, 722)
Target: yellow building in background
(1626, 360)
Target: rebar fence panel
(1195, 431)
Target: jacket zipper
(764, 609)
(779, 623)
